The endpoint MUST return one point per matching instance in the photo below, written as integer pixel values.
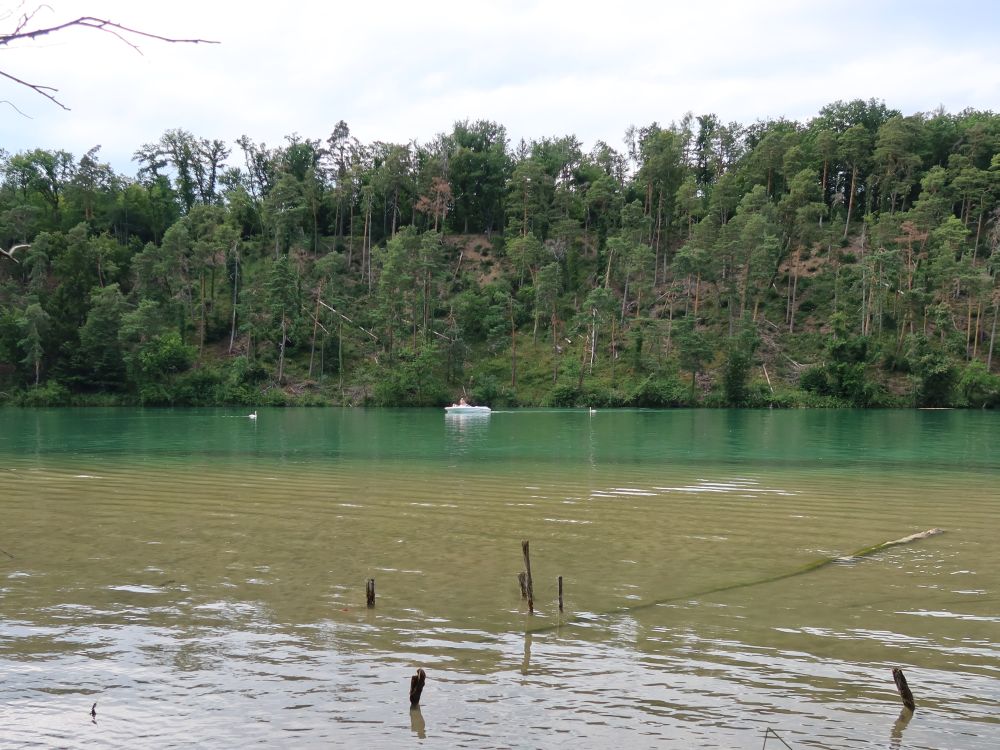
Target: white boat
(466, 409)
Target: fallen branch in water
(884, 545)
(808, 568)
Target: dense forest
(847, 261)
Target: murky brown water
(202, 578)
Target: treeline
(849, 260)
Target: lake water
(201, 577)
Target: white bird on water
(252, 416)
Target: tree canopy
(847, 260)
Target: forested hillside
(849, 260)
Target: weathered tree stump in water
(527, 577)
(904, 690)
(522, 581)
(417, 687)
(370, 592)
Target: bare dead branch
(98, 24)
(27, 17)
(36, 87)
(120, 32)
(14, 107)
(10, 253)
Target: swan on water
(252, 416)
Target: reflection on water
(466, 432)
(896, 736)
(417, 725)
(203, 578)
(526, 663)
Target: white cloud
(398, 71)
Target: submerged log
(370, 592)
(816, 565)
(904, 690)
(884, 545)
(527, 576)
(417, 687)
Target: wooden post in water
(527, 577)
(560, 594)
(417, 687)
(370, 592)
(904, 690)
(522, 581)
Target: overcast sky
(399, 70)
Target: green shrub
(807, 306)
(231, 393)
(273, 397)
(564, 396)
(489, 390)
(244, 371)
(155, 394)
(660, 392)
(197, 388)
(979, 387)
(933, 373)
(414, 381)
(47, 394)
(761, 396)
(815, 380)
(604, 398)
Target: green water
(201, 576)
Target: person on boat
(461, 401)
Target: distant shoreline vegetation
(848, 261)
